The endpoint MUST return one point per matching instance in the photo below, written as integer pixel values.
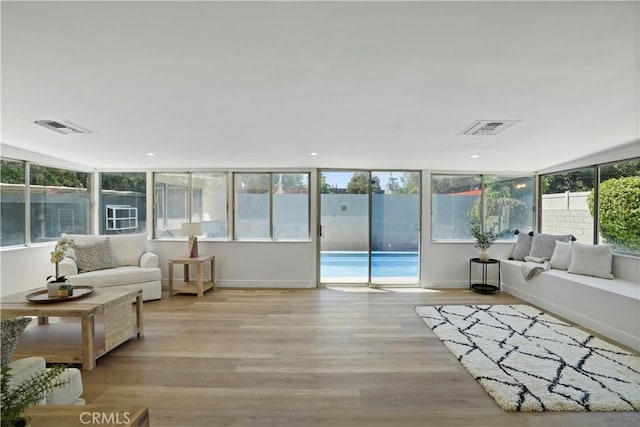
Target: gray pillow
(523, 245)
(542, 245)
(94, 256)
(10, 331)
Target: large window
(290, 206)
(123, 202)
(570, 198)
(196, 197)
(252, 198)
(453, 199)
(271, 206)
(501, 203)
(12, 203)
(209, 202)
(171, 203)
(60, 202)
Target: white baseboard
(264, 284)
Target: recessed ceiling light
(474, 156)
(313, 153)
(150, 154)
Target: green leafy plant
(619, 212)
(15, 400)
(484, 239)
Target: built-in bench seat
(608, 307)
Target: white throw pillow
(591, 260)
(561, 258)
(128, 248)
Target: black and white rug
(530, 361)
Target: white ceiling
(375, 85)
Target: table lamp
(192, 229)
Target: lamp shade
(192, 229)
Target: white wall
(249, 264)
(25, 268)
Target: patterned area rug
(530, 361)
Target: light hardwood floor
(322, 357)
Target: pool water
(383, 264)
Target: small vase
(483, 255)
(53, 287)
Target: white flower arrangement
(59, 252)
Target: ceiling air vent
(489, 127)
(64, 127)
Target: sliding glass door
(370, 227)
(395, 227)
(344, 222)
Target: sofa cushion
(591, 260)
(25, 368)
(10, 331)
(66, 394)
(116, 276)
(94, 256)
(69, 393)
(128, 248)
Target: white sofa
(68, 394)
(137, 268)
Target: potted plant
(57, 255)
(16, 399)
(484, 239)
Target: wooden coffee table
(64, 341)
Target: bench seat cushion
(610, 307)
(116, 276)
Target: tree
(359, 184)
(409, 183)
(135, 181)
(325, 188)
(619, 211)
(578, 180)
(53, 177)
(11, 172)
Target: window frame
(596, 238)
(482, 203)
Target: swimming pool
(347, 265)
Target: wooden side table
(198, 286)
